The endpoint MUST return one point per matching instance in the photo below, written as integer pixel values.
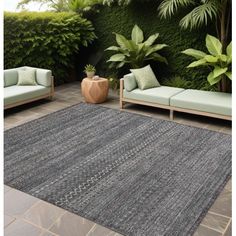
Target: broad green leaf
(229, 60)
(229, 50)
(229, 74)
(215, 76)
(223, 57)
(219, 71)
(200, 62)
(121, 64)
(137, 35)
(211, 59)
(151, 40)
(194, 53)
(213, 45)
(157, 57)
(213, 80)
(155, 48)
(117, 57)
(122, 41)
(113, 48)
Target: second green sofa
(206, 103)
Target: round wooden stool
(95, 91)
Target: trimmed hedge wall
(45, 40)
(122, 19)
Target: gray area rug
(136, 175)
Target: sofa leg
(50, 97)
(122, 104)
(171, 114)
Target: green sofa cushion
(213, 102)
(145, 78)
(10, 77)
(159, 95)
(15, 93)
(43, 76)
(26, 76)
(130, 82)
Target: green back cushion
(145, 78)
(130, 82)
(10, 77)
(27, 77)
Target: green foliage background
(122, 19)
(45, 40)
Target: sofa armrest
(44, 77)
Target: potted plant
(90, 71)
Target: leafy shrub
(219, 63)
(136, 51)
(179, 82)
(45, 40)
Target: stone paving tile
(16, 203)
(72, 225)
(47, 233)
(22, 228)
(228, 231)
(8, 220)
(216, 222)
(7, 188)
(98, 230)
(43, 214)
(204, 231)
(223, 204)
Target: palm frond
(201, 15)
(169, 7)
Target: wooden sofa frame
(171, 108)
(50, 96)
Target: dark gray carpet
(136, 175)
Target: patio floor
(29, 216)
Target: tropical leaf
(122, 41)
(117, 57)
(229, 74)
(223, 57)
(201, 14)
(194, 53)
(151, 39)
(137, 35)
(155, 48)
(219, 71)
(213, 80)
(200, 62)
(113, 48)
(213, 45)
(215, 76)
(229, 50)
(211, 59)
(157, 57)
(121, 64)
(168, 7)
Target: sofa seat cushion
(213, 102)
(14, 94)
(160, 95)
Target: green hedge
(122, 19)
(45, 40)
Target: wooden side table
(95, 91)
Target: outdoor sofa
(206, 103)
(15, 94)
